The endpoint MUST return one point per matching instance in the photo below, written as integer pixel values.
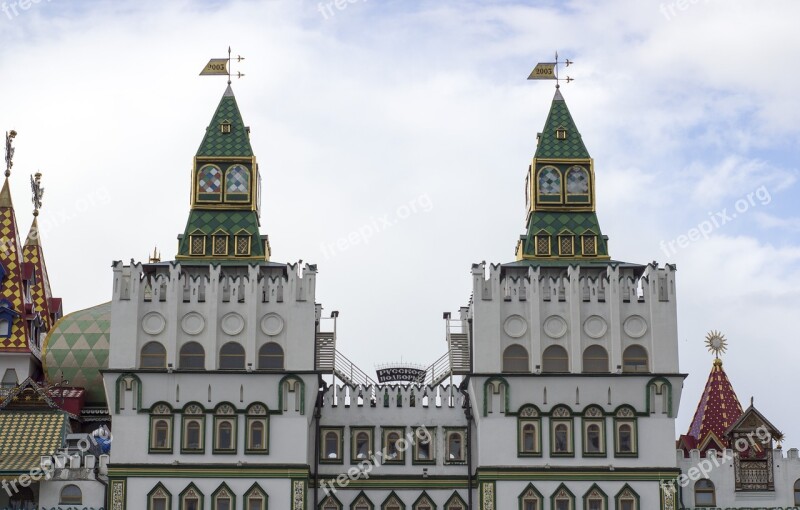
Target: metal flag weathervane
(222, 66)
(549, 70)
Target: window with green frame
(529, 432)
(531, 499)
(424, 502)
(161, 420)
(393, 443)
(362, 502)
(424, 446)
(257, 429)
(191, 498)
(561, 433)
(223, 498)
(193, 429)
(255, 498)
(562, 499)
(331, 442)
(455, 445)
(361, 443)
(225, 427)
(625, 433)
(595, 499)
(594, 432)
(159, 498)
(627, 499)
(392, 502)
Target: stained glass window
(577, 181)
(237, 182)
(549, 182)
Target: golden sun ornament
(716, 343)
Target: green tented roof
(237, 142)
(549, 146)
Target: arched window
(209, 184)
(704, 493)
(595, 360)
(160, 429)
(70, 495)
(193, 429)
(530, 438)
(237, 184)
(257, 429)
(270, 357)
(515, 359)
(331, 450)
(555, 360)
(634, 359)
(161, 434)
(231, 356)
(593, 437)
(455, 446)
(797, 493)
(363, 445)
(549, 185)
(153, 355)
(577, 181)
(192, 356)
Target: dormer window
(561, 133)
(225, 127)
(197, 243)
(589, 244)
(543, 244)
(566, 244)
(242, 242)
(220, 243)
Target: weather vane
(716, 343)
(10, 135)
(37, 192)
(549, 70)
(222, 66)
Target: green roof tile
(235, 143)
(551, 147)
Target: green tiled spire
(562, 226)
(223, 224)
(235, 143)
(550, 146)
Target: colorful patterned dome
(77, 348)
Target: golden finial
(716, 343)
(37, 192)
(156, 256)
(10, 135)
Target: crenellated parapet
(251, 305)
(571, 308)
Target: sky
(419, 114)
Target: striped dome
(77, 348)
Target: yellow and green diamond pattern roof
(25, 437)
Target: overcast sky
(419, 113)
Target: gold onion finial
(10, 135)
(717, 343)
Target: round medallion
(193, 323)
(595, 326)
(635, 326)
(271, 324)
(232, 323)
(515, 326)
(555, 326)
(153, 323)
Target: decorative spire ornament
(549, 70)
(716, 343)
(37, 192)
(10, 135)
(221, 66)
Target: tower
(212, 366)
(574, 356)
